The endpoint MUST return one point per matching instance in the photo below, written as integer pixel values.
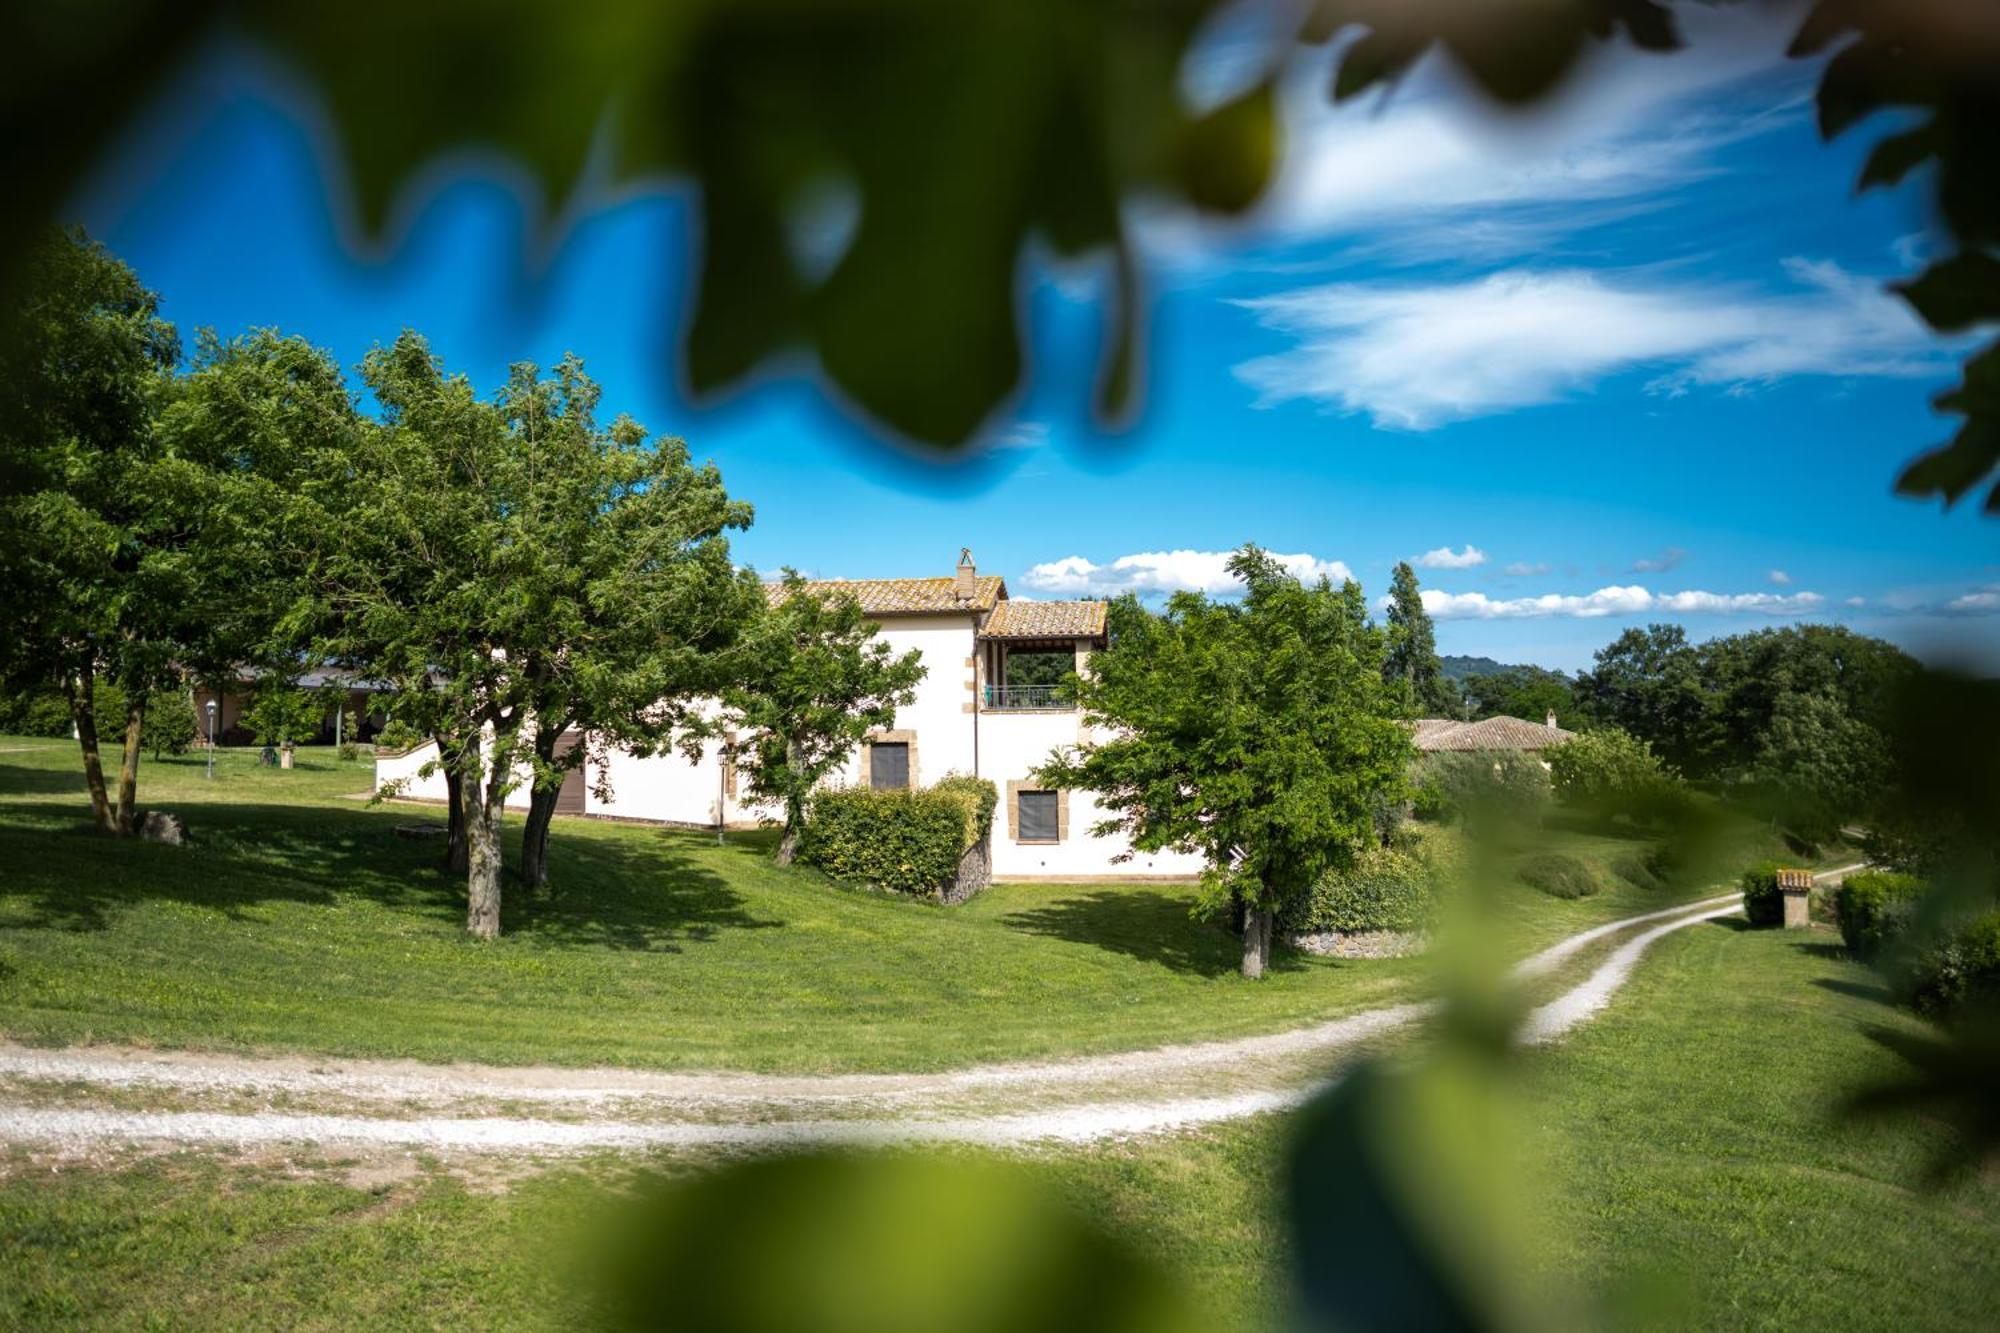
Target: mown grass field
(1690, 1157)
(299, 921)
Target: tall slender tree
(1411, 659)
(1260, 734)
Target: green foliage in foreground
(909, 841)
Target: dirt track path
(71, 1099)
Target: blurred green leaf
(874, 1243)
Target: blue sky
(1625, 360)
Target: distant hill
(1460, 668)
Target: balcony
(1029, 699)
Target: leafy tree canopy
(1259, 733)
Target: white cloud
(1980, 603)
(1446, 558)
(1430, 169)
(1163, 571)
(1781, 578)
(1521, 569)
(1417, 356)
(1614, 601)
(1022, 435)
(1670, 558)
(1857, 601)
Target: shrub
(1559, 875)
(905, 841)
(399, 735)
(1762, 902)
(1611, 774)
(977, 797)
(1872, 907)
(1504, 785)
(1964, 970)
(1380, 888)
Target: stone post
(1795, 887)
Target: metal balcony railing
(1003, 697)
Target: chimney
(967, 586)
(1552, 718)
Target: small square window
(1038, 820)
(889, 764)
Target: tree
(1649, 683)
(625, 558)
(1820, 766)
(1529, 692)
(280, 713)
(1411, 660)
(1610, 773)
(513, 571)
(108, 542)
(1260, 734)
(813, 681)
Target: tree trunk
(1257, 928)
(541, 810)
(485, 786)
(535, 837)
(82, 690)
(455, 861)
(788, 844)
(128, 766)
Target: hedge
(902, 840)
(1872, 906)
(1559, 875)
(1762, 902)
(1382, 888)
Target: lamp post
(211, 740)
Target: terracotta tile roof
(1045, 620)
(1433, 734)
(905, 597)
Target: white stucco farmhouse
(975, 712)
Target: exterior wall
(941, 724)
(393, 767)
(1011, 746)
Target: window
(889, 764)
(1037, 817)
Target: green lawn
(298, 920)
(1686, 1138)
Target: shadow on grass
(28, 780)
(641, 892)
(1860, 990)
(1144, 924)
